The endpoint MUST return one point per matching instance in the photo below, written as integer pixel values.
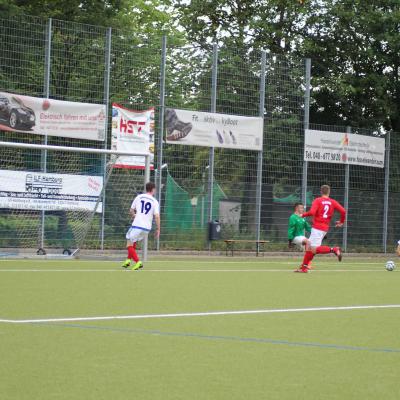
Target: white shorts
(298, 241)
(316, 237)
(136, 235)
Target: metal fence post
(386, 193)
(106, 100)
(260, 153)
(46, 90)
(346, 199)
(212, 150)
(161, 125)
(306, 126)
(146, 179)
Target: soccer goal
(59, 200)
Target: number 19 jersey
(322, 210)
(146, 207)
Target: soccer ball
(390, 265)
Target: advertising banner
(213, 130)
(344, 148)
(52, 117)
(132, 131)
(27, 190)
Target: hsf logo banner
(132, 131)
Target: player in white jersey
(143, 209)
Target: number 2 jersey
(146, 207)
(322, 210)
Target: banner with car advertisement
(344, 148)
(27, 190)
(50, 117)
(213, 130)
(132, 131)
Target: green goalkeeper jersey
(297, 226)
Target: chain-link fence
(251, 193)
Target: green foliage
(354, 46)
(144, 17)
(95, 12)
(270, 24)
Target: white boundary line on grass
(186, 270)
(198, 314)
(240, 261)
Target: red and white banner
(50, 117)
(132, 131)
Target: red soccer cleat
(302, 269)
(338, 253)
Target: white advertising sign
(52, 117)
(344, 148)
(27, 190)
(213, 130)
(132, 131)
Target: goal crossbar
(73, 149)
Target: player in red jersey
(322, 210)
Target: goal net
(59, 200)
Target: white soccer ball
(390, 265)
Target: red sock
(132, 253)
(323, 249)
(308, 257)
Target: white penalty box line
(199, 314)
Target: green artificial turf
(340, 354)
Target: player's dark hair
(150, 186)
(325, 189)
(298, 204)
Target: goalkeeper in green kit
(297, 227)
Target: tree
(96, 12)
(139, 16)
(355, 47)
(269, 24)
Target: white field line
(249, 261)
(198, 314)
(187, 270)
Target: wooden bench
(231, 243)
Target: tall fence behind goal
(251, 193)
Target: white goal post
(67, 202)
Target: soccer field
(199, 329)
